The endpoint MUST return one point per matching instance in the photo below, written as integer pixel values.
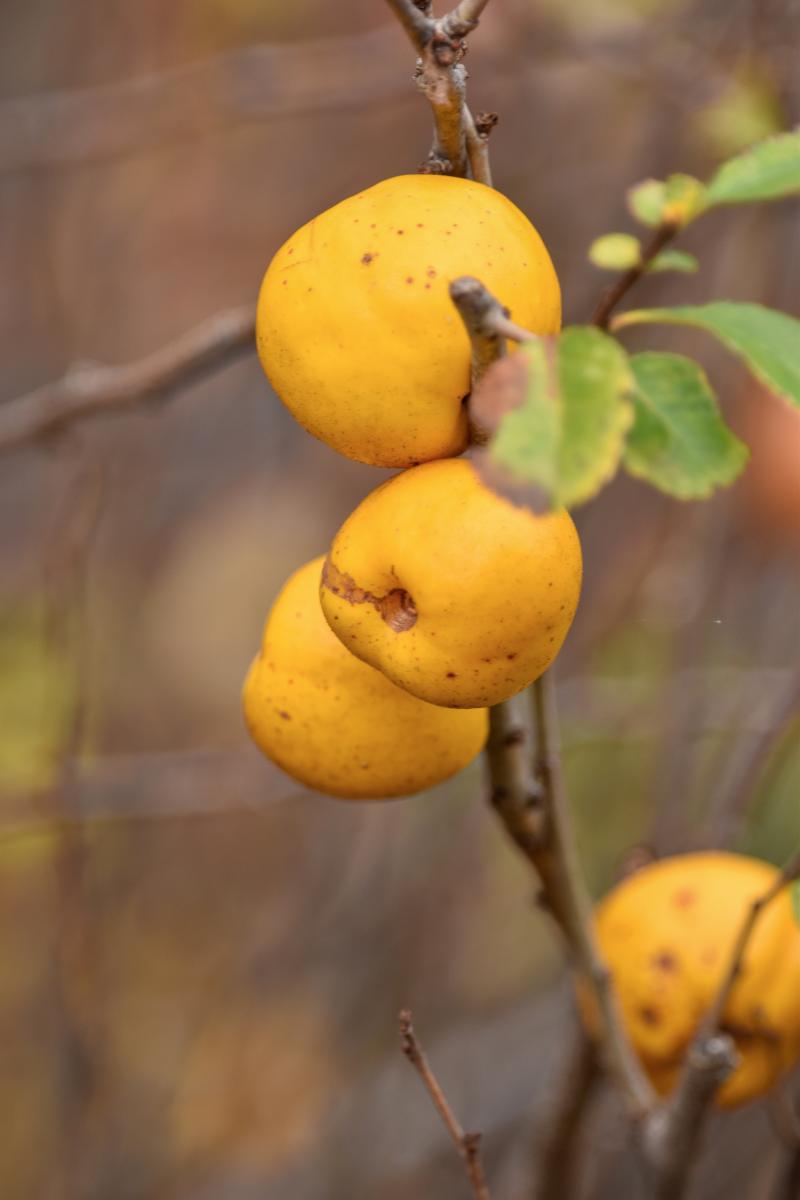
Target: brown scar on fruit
(396, 608)
(367, 258)
(665, 961)
(650, 1016)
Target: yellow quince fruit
(355, 327)
(340, 726)
(456, 594)
(667, 934)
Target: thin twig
(467, 1144)
(611, 297)
(789, 873)
(89, 390)
(460, 147)
(464, 17)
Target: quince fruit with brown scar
(355, 327)
(456, 594)
(338, 725)
(667, 934)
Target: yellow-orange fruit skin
(340, 726)
(667, 935)
(492, 588)
(355, 327)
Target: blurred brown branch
(256, 83)
(560, 1159)
(90, 390)
(467, 1144)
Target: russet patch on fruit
(457, 595)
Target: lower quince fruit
(340, 726)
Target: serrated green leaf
(646, 201)
(615, 251)
(767, 341)
(566, 437)
(795, 893)
(678, 441)
(674, 260)
(766, 171)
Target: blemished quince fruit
(456, 594)
(355, 327)
(336, 724)
(667, 934)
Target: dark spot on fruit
(409, 279)
(451, 675)
(427, 287)
(431, 273)
(420, 225)
(649, 1016)
(685, 898)
(400, 232)
(290, 251)
(511, 657)
(367, 258)
(284, 715)
(665, 961)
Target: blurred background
(202, 965)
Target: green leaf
(566, 437)
(767, 341)
(679, 441)
(795, 892)
(616, 251)
(766, 171)
(646, 201)
(674, 260)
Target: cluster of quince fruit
(437, 597)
